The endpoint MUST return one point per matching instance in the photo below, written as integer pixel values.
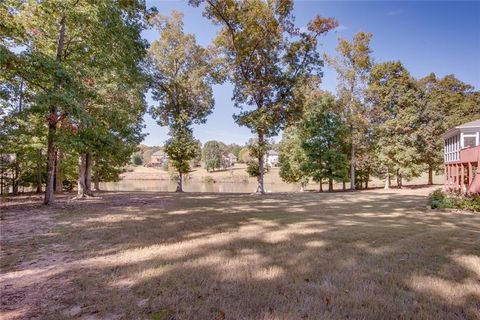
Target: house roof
(272, 153)
(159, 153)
(471, 124)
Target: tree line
(74, 75)
(383, 122)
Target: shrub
(209, 179)
(440, 199)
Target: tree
(267, 59)
(182, 73)
(353, 66)
(445, 103)
(69, 50)
(244, 155)
(212, 154)
(323, 136)
(292, 158)
(394, 97)
(137, 159)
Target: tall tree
(394, 97)
(267, 58)
(292, 158)
(212, 154)
(353, 65)
(183, 73)
(445, 103)
(323, 137)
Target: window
(469, 142)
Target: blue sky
(426, 36)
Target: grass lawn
(362, 255)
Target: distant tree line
(383, 123)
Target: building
(462, 158)
(157, 159)
(272, 158)
(228, 160)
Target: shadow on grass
(205, 256)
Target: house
(462, 157)
(272, 158)
(158, 159)
(228, 160)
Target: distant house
(228, 160)
(462, 157)
(158, 159)
(272, 158)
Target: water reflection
(189, 186)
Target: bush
(209, 179)
(440, 199)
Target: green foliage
(212, 154)
(182, 75)
(323, 138)
(393, 95)
(440, 199)
(267, 59)
(181, 148)
(292, 157)
(244, 155)
(137, 159)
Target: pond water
(189, 186)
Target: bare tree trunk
(52, 123)
(330, 185)
(39, 171)
(344, 186)
(58, 172)
(430, 175)
(82, 166)
(366, 181)
(88, 174)
(399, 180)
(320, 186)
(179, 183)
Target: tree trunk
(15, 175)
(387, 181)
(179, 183)
(352, 163)
(330, 185)
(52, 122)
(96, 177)
(344, 185)
(261, 164)
(58, 172)
(320, 186)
(430, 175)
(49, 198)
(366, 181)
(399, 181)
(39, 171)
(82, 168)
(302, 187)
(88, 174)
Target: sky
(426, 36)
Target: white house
(272, 158)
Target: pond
(195, 186)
